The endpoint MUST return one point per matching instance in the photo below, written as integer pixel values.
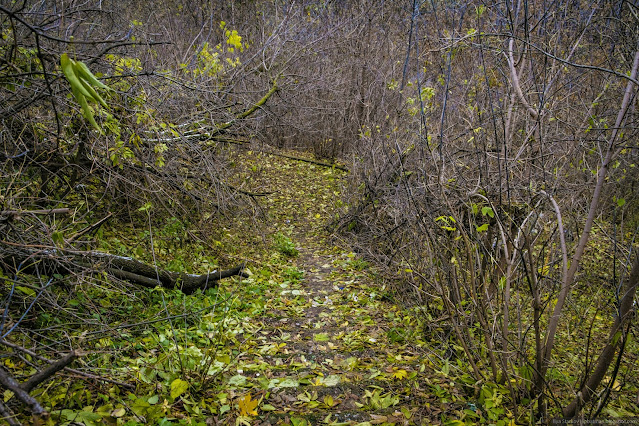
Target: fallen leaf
(248, 406)
(328, 401)
(400, 374)
(178, 387)
(321, 337)
(375, 419)
(331, 380)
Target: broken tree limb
(21, 391)
(249, 111)
(208, 132)
(78, 373)
(141, 273)
(187, 283)
(61, 261)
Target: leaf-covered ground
(311, 337)
(325, 344)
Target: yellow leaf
(328, 401)
(400, 374)
(248, 406)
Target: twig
(42, 211)
(89, 228)
(120, 42)
(48, 372)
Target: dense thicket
(508, 206)
(492, 149)
(152, 152)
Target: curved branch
(515, 80)
(562, 238)
(569, 278)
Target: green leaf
(616, 338)
(482, 228)
(146, 207)
(83, 71)
(321, 337)
(237, 381)
(58, 238)
(118, 412)
(88, 418)
(487, 211)
(406, 412)
(289, 382)
(331, 380)
(178, 387)
(70, 73)
(26, 290)
(621, 202)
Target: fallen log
(62, 261)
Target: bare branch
(585, 236)
(41, 212)
(48, 372)
(10, 383)
(7, 415)
(515, 80)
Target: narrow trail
(331, 348)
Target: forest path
(330, 348)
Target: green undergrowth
(312, 336)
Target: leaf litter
(325, 353)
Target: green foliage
(491, 399)
(83, 85)
(293, 274)
(285, 245)
(216, 61)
